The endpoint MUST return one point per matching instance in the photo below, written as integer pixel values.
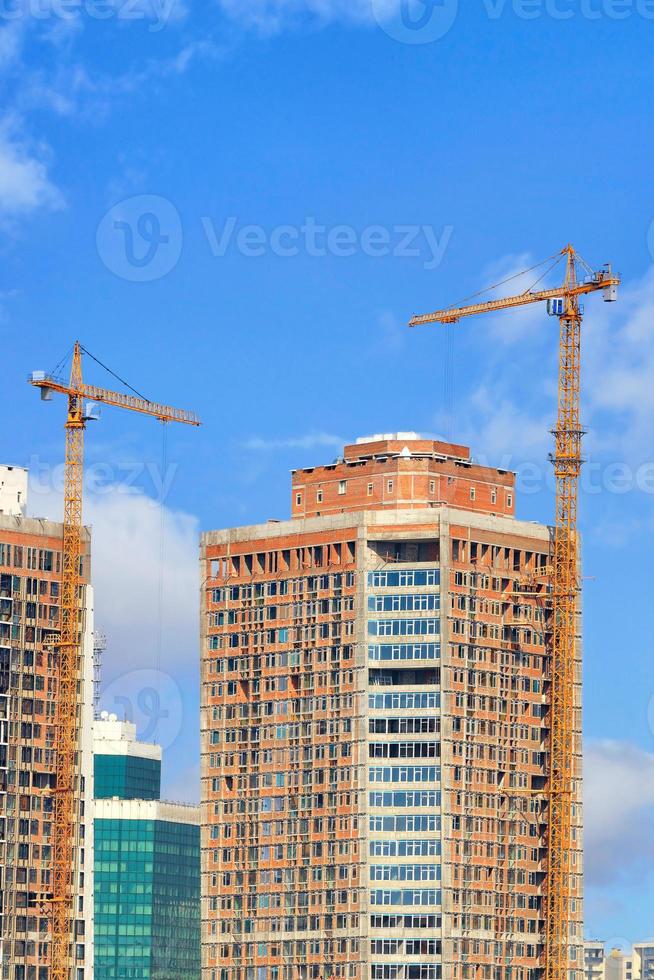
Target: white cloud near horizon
(128, 571)
(619, 813)
(312, 440)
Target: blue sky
(238, 205)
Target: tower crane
(563, 302)
(69, 642)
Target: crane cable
(449, 375)
(557, 257)
(113, 374)
(160, 587)
(59, 365)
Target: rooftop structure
(13, 491)
(401, 471)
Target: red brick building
(30, 577)
(375, 725)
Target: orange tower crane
(563, 302)
(69, 642)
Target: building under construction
(30, 582)
(375, 728)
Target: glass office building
(147, 865)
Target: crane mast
(566, 589)
(68, 645)
(68, 659)
(567, 460)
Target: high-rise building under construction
(30, 581)
(375, 728)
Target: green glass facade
(147, 900)
(127, 777)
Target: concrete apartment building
(30, 575)
(375, 723)
(147, 864)
(616, 964)
(594, 960)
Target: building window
(509, 500)
(371, 487)
(298, 499)
(342, 486)
(473, 493)
(319, 497)
(493, 496)
(390, 486)
(432, 487)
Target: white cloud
(127, 569)
(619, 800)
(619, 367)
(270, 16)
(513, 404)
(39, 72)
(11, 37)
(25, 184)
(500, 425)
(150, 670)
(311, 441)
(527, 324)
